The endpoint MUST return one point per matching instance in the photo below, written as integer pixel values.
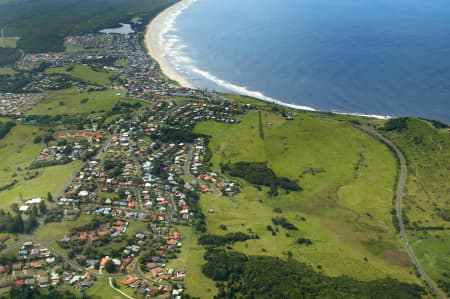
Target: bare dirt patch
(397, 257)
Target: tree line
(259, 173)
(241, 276)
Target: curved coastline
(153, 40)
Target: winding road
(399, 196)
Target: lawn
(121, 62)
(69, 101)
(101, 289)
(346, 200)
(83, 72)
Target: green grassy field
(426, 203)
(346, 202)
(7, 71)
(8, 42)
(83, 72)
(20, 151)
(69, 101)
(19, 148)
(121, 63)
(101, 289)
(50, 179)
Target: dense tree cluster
(35, 21)
(13, 83)
(258, 173)
(92, 225)
(198, 219)
(304, 241)
(271, 277)
(5, 127)
(36, 293)
(216, 240)
(222, 264)
(8, 56)
(176, 135)
(283, 222)
(396, 124)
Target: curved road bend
(401, 184)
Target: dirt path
(117, 290)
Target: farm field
(83, 72)
(344, 207)
(68, 101)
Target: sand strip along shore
(153, 41)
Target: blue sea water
(375, 57)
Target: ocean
(369, 57)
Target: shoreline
(152, 35)
(152, 38)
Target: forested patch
(396, 124)
(34, 21)
(5, 127)
(259, 174)
(176, 135)
(230, 238)
(8, 56)
(270, 277)
(283, 222)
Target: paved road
(399, 196)
(187, 171)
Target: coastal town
(139, 180)
(184, 149)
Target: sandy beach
(153, 39)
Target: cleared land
(20, 151)
(83, 72)
(348, 179)
(426, 202)
(8, 42)
(68, 101)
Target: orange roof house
(104, 261)
(129, 281)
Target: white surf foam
(173, 52)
